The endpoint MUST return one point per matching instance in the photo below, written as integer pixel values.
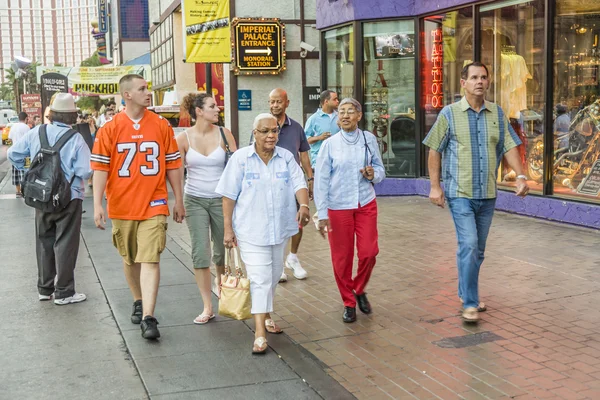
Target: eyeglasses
(348, 113)
(267, 131)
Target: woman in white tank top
(203, 149)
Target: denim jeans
(472, 220)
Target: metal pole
(208, 77)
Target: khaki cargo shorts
(140, 241)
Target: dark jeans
(472, 220)
(57, 246)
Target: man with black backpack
(55, 186)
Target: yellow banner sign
(206, 31)
(96, 80)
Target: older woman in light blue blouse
(347, 166)
(260, 186)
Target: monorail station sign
(258, 46)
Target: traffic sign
(258, 46)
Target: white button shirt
(339, 185)
(265, 195)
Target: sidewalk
(92, 351)
(540, 337)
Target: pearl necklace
(347, 141)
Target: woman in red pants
(347, 166)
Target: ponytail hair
(193, 100)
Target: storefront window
(512, 47)
(389, 65)
(340, 61)
(447, 45)
(576, 169)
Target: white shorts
(264, 266)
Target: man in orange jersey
(133, 156)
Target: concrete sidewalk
(92, 351)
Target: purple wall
(335, 12)
(549, 208)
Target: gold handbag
(235, 299)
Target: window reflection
(512, 46)
(339, 44)
(576, 168)
(389, 106)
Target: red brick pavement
(540, 280)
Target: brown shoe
(470, 314)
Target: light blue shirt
(265, 195)
(339, 184)
(74, 156)
(317, 124)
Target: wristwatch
(310, 179)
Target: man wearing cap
(57, 233)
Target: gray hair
(354, 102)
(260, 117)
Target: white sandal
(272, 327)
(259, 343)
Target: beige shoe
(481, 307)
(470, 314)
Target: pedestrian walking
(347, 166)
(58, 233)
(107, 116)
(204, 148)
(17, 131)
(260, 186)
(474, 134)
(293, 139)
(133, 156)
(322, 124)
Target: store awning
(143, 59)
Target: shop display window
(576, 168)
(389, 92)
(339, 53)
(447, 45)
(512, 47)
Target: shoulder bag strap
(64, 139)
(224, 139)
(44, 137)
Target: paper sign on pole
(206, 31)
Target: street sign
(312, 99)
(244, 100)
(52, 83)
(259, 46)
(103, 16)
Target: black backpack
(44, 185)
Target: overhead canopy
(143, 59)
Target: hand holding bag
(235, 299)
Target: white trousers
(264, 266)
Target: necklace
(347, 141)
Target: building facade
(301, 76)
(402, 59)
(46, 31)
(130, 27)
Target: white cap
(64, 102)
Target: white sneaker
(43, 297)
(76, 298)
(294, 264)
(283, 277)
